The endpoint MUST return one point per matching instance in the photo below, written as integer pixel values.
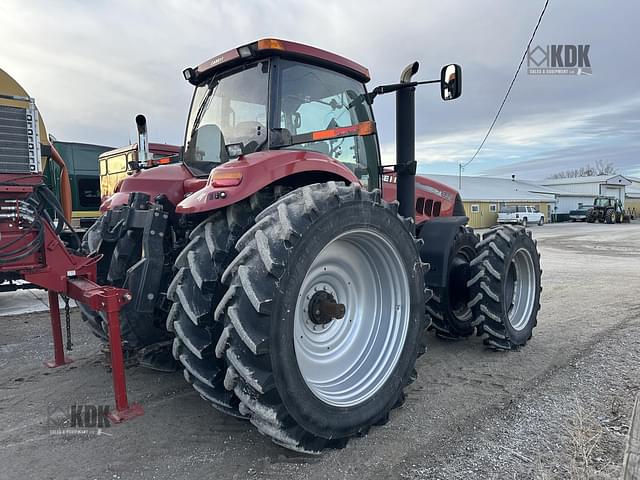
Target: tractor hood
(175, 181)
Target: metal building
(483, 197)
(573, 192)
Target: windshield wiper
(203, 106)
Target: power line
(504, 100)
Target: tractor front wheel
(323, 316)
(506, 287)
(610, 216)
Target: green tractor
(607, 210)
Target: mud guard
(437, 235)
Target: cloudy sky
(92, 65)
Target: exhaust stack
(143, 141)
(405, 143)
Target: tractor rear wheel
(323, 316)
(610, 216)
(506, 287)
(451, 317)
(197, 289)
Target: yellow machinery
(24, 143)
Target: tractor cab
(274, 94)
(604, 202)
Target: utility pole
(459, 176)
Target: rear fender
(261, 169)
(438, 234)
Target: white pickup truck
(521, 214)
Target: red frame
(54, 268)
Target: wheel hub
(520, 289)
(460, 273)
(323, 308)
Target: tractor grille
(19, 142)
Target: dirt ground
(558, 408)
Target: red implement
(31, 249)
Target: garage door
(612, 192)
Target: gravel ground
(558, 408)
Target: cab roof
(271, 46)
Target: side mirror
(451, 82)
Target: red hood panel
(169, 180)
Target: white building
(571, 192)
(483, 196)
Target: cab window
(314, 99)
(117, 164)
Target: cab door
(327, 112)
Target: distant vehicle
(520, 215)
(607, 210)
(580, 214)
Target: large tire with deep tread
(506, 287)
(260, 306)
(448, 309)
(137, 329)
(610, 216)
(196, 290)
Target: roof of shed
(496, 189)
(602, 179)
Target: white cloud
(93, 65)
(528, 138)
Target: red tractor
(286, 269)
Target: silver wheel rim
(522, 273)
(347, 360)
